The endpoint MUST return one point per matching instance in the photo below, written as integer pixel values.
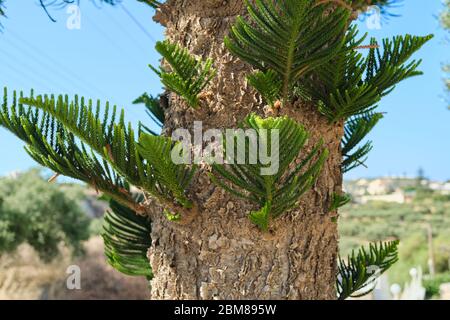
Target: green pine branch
(153, 110)
(268, 85)
(356, 129)
(167, 177)
(126, 237)
(262, 216)
(51, 145)
(357, 275)
(290, 37)
(339, 200)
(187, 76)
(105, 132)
(352, 84)
(152, 104)
(51, 127)
(276, 192)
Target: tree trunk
(220, 254)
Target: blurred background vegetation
(45, 227)
(41, 214)
(421, 221)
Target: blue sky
(107, 59)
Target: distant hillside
(409, 222)
(392, 189)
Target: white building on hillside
(396, 197)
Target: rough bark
(220, 254)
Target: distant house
(396, 197)
(391, 189)
(441, 187)
(380, 187)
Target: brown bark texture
(220, 254)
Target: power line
(33, 72)
(124, 31)
(20, 80)
(136, 21)
(105, 35)
(56, 63)
(16, 72)
(50, 66)
(113, 43)
(53, 64)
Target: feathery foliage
(52, 145)
(275, 192)
(154, 110)
(362, 268)
(153, 106)
(296, 44)
(126, 236)
(188, 76)
(167, 178)
(352, 84)
(339, 200)
(267, 84)
(114, 141)
(356, 129)
(290, 37)
(50, 126)
(261, 217)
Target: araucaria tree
(297, 68)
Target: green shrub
(40, 213)
(432, 285)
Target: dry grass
(23, 276)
